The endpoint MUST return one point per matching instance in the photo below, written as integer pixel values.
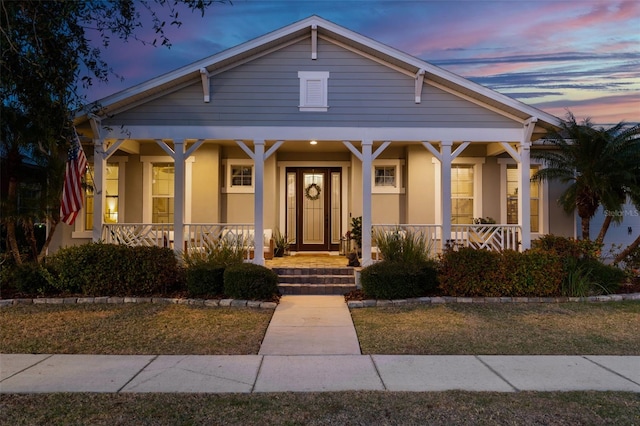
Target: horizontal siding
(265, 92)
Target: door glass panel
(313, 208)
(335, 208)
(291, 206)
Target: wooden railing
(487, 236)
(197, 236)
(482, 236)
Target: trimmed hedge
(99, 269)
(468, 272)
(250, 282)
(28, 278)
(398, 280)
(205, 279)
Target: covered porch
(357, 196)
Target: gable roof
(219, 62)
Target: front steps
(302, 281)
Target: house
(303, 129)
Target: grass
(609, 328)
(131, 329)
(509, 329)
(370, 408)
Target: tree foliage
(600, 166)
(50, 50)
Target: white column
(178, 195)
(524, 194)
(258, 205)
(445, 189)
(99, 182)
(366, 201)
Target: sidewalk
(311, 345)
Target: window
(162, 193)
(238, 176)
(241, 176)
(385, 176)
(313, 90)
(111, 206)
(512, 197)
(462, 191)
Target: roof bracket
(419, 84)
(314, 42)
(205, 76)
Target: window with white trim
(238, 176)
(462, 193)
(162, 193)
(512, 197)
(111, 206)
(386, 176)
(314, 89)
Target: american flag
(72, 192)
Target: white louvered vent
(313, 90)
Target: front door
(313, 208)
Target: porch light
(314, 142)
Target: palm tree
(601, 167)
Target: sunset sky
(578, 55)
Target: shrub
(398, 280)
(603, 278)
(403, 246)
(250, 281)
(29, 278)
(99, 269)
(531, 273)
(469, 272)
(223, 252)
(205, 279)
(567, 247)
(205, 269)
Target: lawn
(509, 329)
(339, 408)
(130, 329)
(607, 328)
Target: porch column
(99, 182)
(445, 189)
(178, 194)
(366, 201)
(524, 194)
(258, 205)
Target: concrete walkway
(310, 346)
(311, 325)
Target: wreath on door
(312, 192)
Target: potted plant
(356, 232)
(281, 243)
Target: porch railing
(138, 234)
(430, 233)
(197, 236)
(484, 236)
(487, 236)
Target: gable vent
(313, 90)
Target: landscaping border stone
(447, 299)
(256, 304)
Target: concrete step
(302, 281)
(316, 279)
(314, 271)
(315, 289)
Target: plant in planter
(356, 232)
(281, 243)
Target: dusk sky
(578, 55)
